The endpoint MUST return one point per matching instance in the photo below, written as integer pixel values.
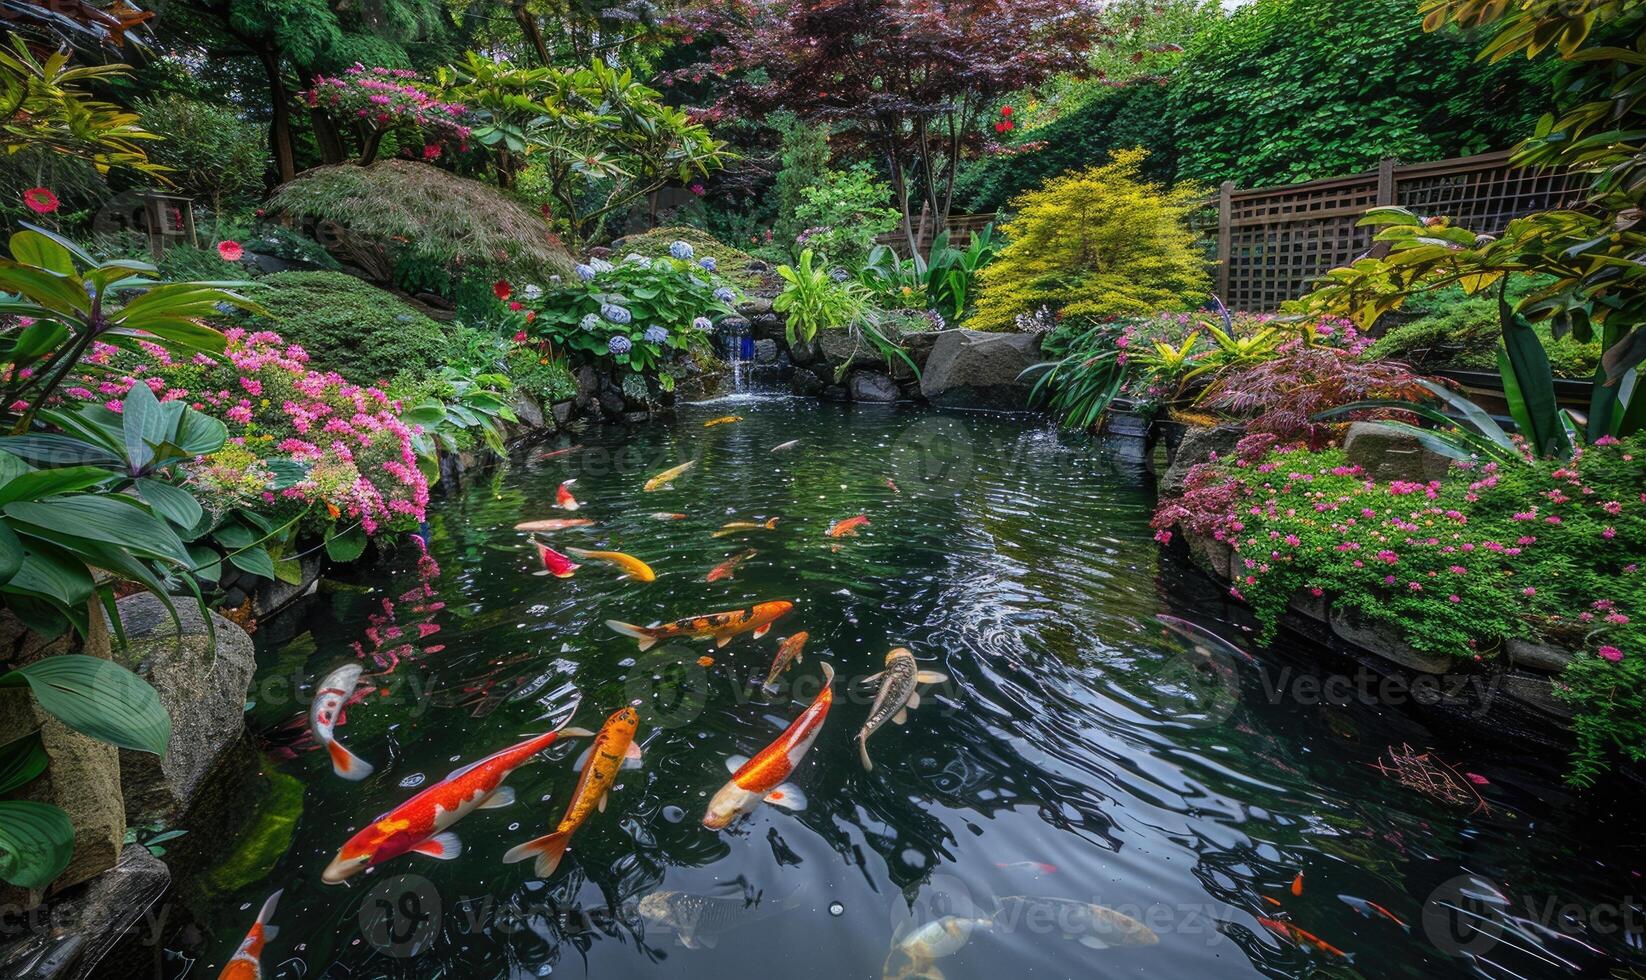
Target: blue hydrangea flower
(724, 295)
(708, 262)
(656, 334)
(681, 250)
(589, 322)
(703, 323)
(619, 344)
(584, 272)
(531, 291)
(614, 313)
(635, 258)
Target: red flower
(520, 336)
(230, 251)
(502, 288)
(517, 306)
(40, 200)
(531, 315)
(1000, 127)
(1005, 110)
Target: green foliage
(637, 312)
(1291, 90)
(545, 378)
(731, 264)
(840, 216)
(814, 301)
(392, 209)
(215, 156)
(1097, 243)
(349, 326)
(940, 281)
(46, 105)
(1461, 333)
(1548, 550)
(803, 163)
(458, 411)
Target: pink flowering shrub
(387, 99)
(360, 461)
(1546, 551)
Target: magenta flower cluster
(390, 97)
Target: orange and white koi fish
(632, 567)
(787, 652)
(1372, 910)
(330, 695)
(738, 527)
(727, 567)
(563, 497)
(553, 524)
(668, 476)
(847, 527)
(1044, 867)
(899, 694)
(663, 515)
(554, 563)
(785, 446)
(721, 626)
(560, 452)
(1301, 936)
(598, 767)
(722, 420)
(422, 824)
(247, 961)
(765, 776)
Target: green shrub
(216, 157)
(1098, 243)
(545, 378)
(349, 326)
(732, 264)
(1461, 332)
(840, 216)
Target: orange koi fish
(632, 567)
(727, 567)
(1297, 884)
(764, 777)
(612, 749)
(330, 695)
(1301, 936)
(563, 498)
(421, 824)
(247, 961)
(736, 527)
(553, 524)
(787, 652)
(1372, 910)
(554, 563)
(705, 661)
(663, 515)
(721, 626)
(847, 527)
(560, 452)
(722, 420)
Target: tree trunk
(280, 141)
(534, 36)
(327, 137)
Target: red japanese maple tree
(909, 79)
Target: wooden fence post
(1225, 236)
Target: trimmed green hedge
(350, 326)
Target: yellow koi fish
(632, 566)
(721, 626)
(668, 476)
(737, 527)
(722, 420)
(613, 748)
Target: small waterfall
(737, 346)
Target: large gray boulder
(70, 937)
(974, 369)
(203, 688)
(1387, 453)
(843, 351)
(872, 386)
(1197, 446)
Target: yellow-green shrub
(1099, 242)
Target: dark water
(1079, 751)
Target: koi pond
(1086, 790)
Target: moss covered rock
(747, 273)
(350, 326)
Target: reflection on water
(1090, 793)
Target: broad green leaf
(99, 698)
(33, 248)
(347, 546)
(141, 424)
(109, 518)
(46, 449)
(254, 559)
(37, 484)
(173, 503)
(21, 761)
(36, 843)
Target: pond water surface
(1079, 751)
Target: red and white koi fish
(330, 695)
(554, 563)
(421, 824)
(764, 776)
(247, 961)
(892, 486)
(1301, 936)
(721, 626)
(726, 568)
(1372, 910)
(563, 498)
(553, 524)
(612, 748)
(847, 527)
